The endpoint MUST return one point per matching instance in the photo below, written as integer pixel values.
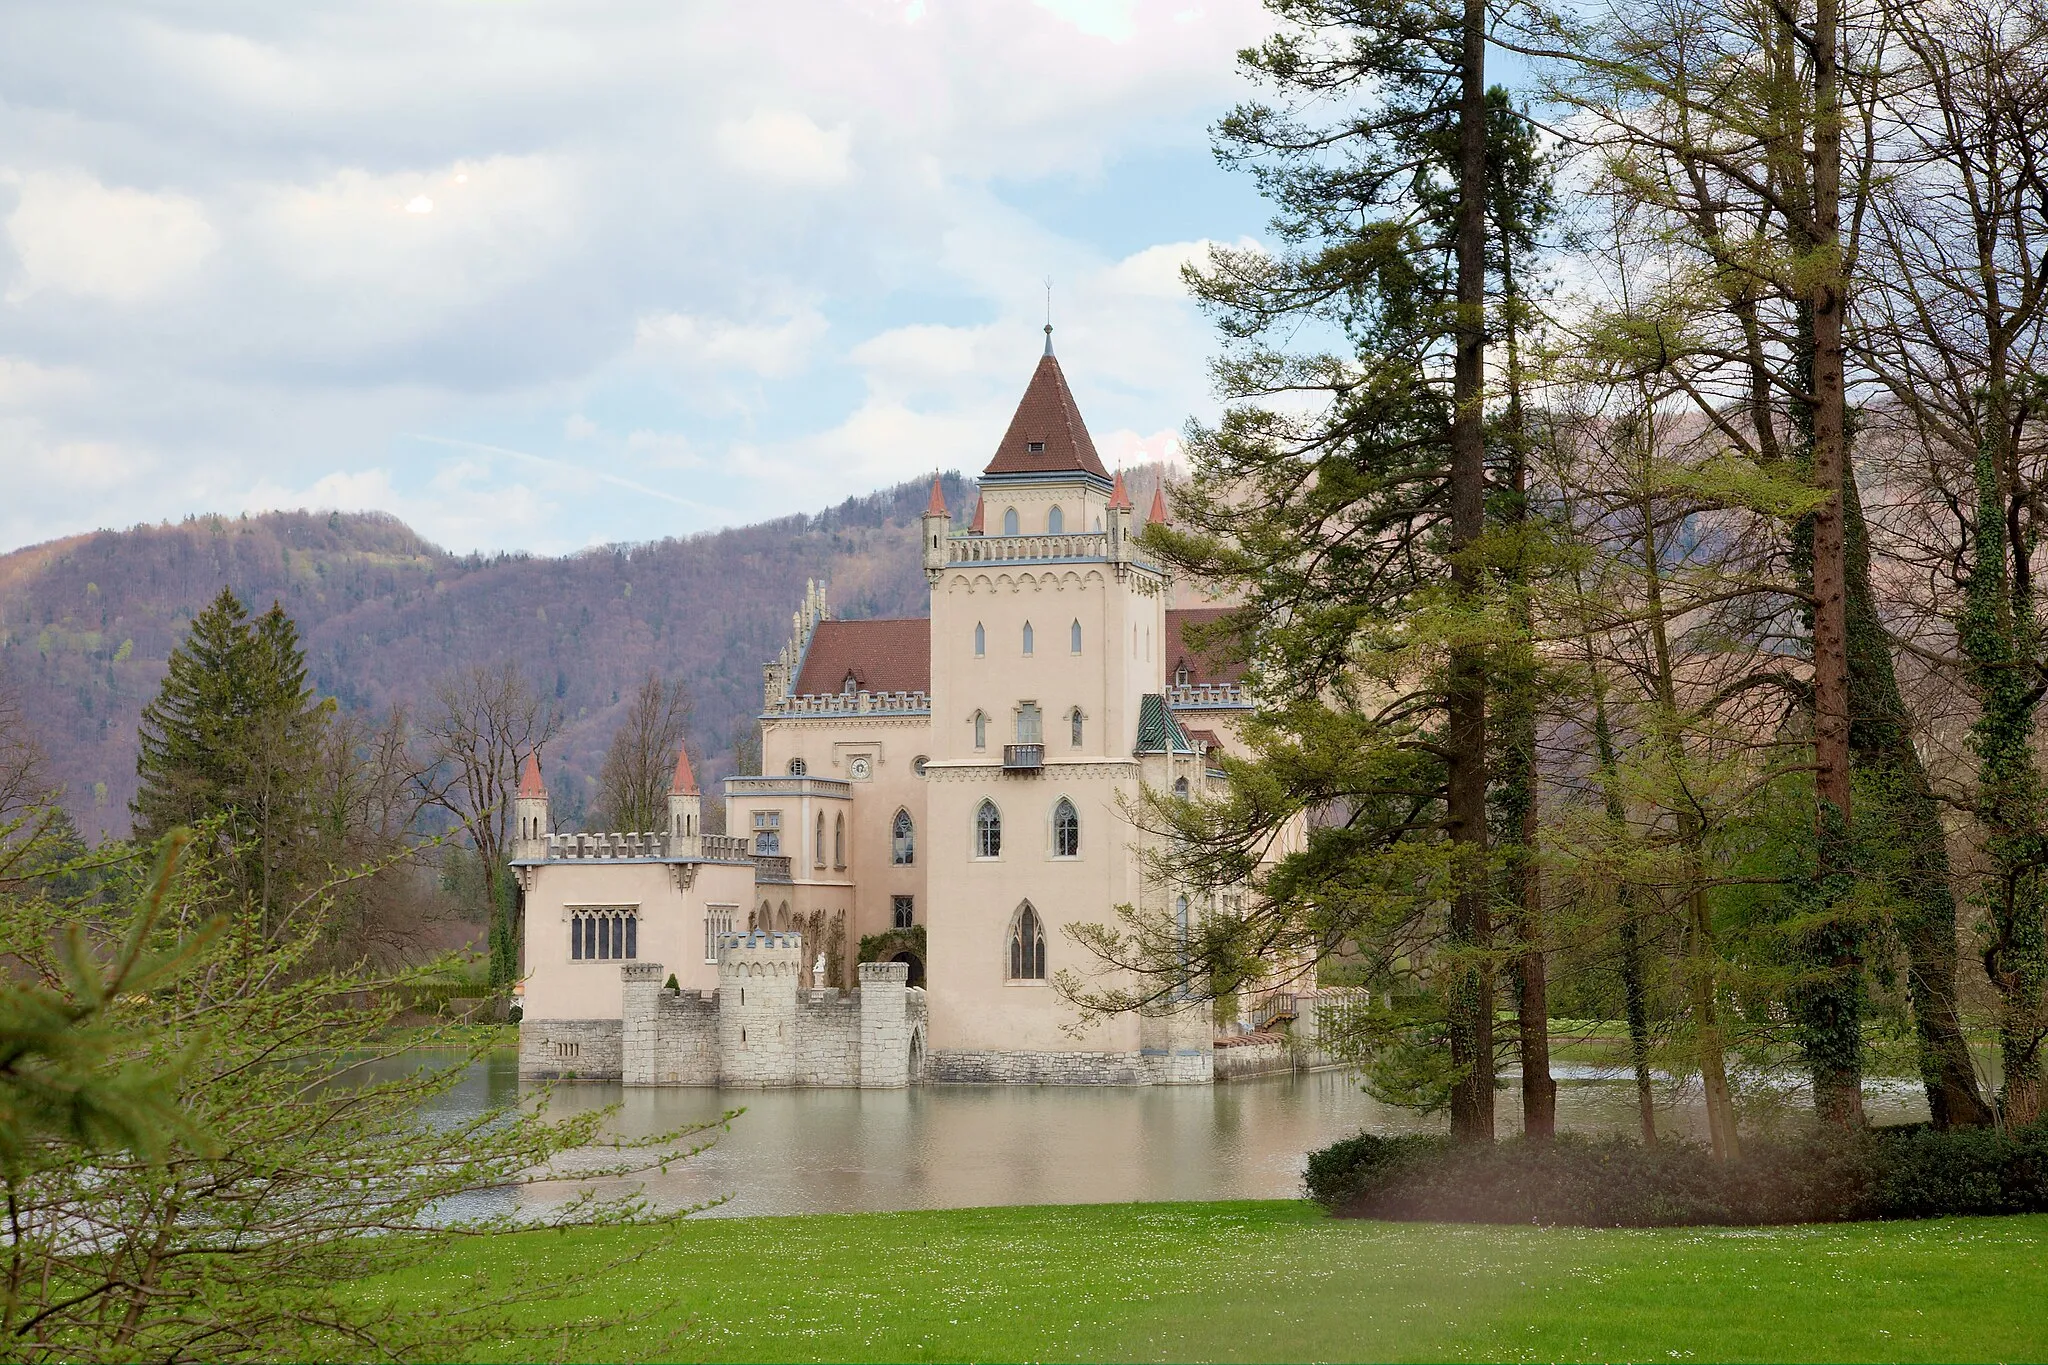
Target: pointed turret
(1157, 516)
(979, 525)
(530, 826)
(938, 524)
(685, 809)
(1119, 496)
(1119, 522)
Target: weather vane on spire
(1048, 315)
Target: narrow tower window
(903, 840)
(980, 729)
(1009, 521)
(1066, 830)
(980, 640)
(1055, 522)
(1074, 637)
(839, 841)
(988, 831)
(1074, 720)
(1027, 637)
(820, 859)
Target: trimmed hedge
(1903, 1172)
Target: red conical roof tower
(980, 508)
(1158, 513)
(1047, 435)
(1119, 496)
(937, 506)
(529, 777)
(686, 781)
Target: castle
(953, 792)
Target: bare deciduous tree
(633, 785)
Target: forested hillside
(86, 623)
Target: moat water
(843, 1151)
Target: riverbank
(1267, 1280)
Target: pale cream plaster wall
(671, 929)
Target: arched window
(980, 640)
(980, 729)
(1074, 720)
(1030, 723)
(988, 831)
(764, 918)
(1055, 522)
(851, 684)
(1180, 788)
(797, 767)
(1009, 521)
(839, 841)
(1074, 637)
(1027, 946)
(903, 840)
(1066, 830)
(1027, 637)
(821, 839)
(1180, 676)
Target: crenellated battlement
(1212, 696)
(851, 704)
(637, 846)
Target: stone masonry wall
(686, 1038)
(1038, 1068)
(553, 1049)
(828, 1050)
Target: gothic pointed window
(988, 831)
(820, 859)
(1027, 946)
(1027, 637)
(1009, 521)
(1074, 638)
(1074, 720)
(852, 684)
(1066, 830)
(839, 841)
(903, 840)
(1180, 788)
(980, 729)
(980, 640)
(1055, 522)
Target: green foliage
(888, 943)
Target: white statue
(818, 971)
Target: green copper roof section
(1158, 731)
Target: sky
(539, 276)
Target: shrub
(1908, 1172)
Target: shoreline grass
(1261, 1281)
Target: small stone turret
(757, 983)
(685, 807)
(530, 812)
(891, 1040)
(1119, 521)
(938, 524)
(640, 992)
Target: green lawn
(1270, 1281)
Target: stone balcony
(789, 786)
(1023, 758)
(972, 549)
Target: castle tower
(1119, 521)
(530, 812)
(685, 806)
(757, 976)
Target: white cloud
(786, 145)
(74, 234)
(769, 350)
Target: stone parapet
(566, 1049)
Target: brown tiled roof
(529, 777)
(882, 656)
(1202, 668)
(1048, 419)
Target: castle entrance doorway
(915, 962)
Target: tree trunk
(1470, 996)
(1634, 1002)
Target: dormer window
(852, 684)
(1035, 447)
(1180, 677)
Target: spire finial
(1048, 315)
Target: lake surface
(963, 1146)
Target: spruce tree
(230, 745)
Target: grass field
(1266, 1281)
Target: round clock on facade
(858, 767)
